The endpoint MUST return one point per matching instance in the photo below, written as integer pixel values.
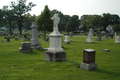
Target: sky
(74, 7)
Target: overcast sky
(74, 7)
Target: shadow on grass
(107, 72)
(30, 53)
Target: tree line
(16, 16)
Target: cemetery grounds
(15, 65)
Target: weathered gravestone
(66, 41)
(8, 39)
(98, 35)
(35, 43)
(89, 39)
(25, 47)
(117, 39)
(105, 36)
(88, 60)
(55, 51)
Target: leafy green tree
(28, 20)
(74, 20)
(8, 17)
(116, 28)
(68, 28)
(44, 21)
(1, 18)
(19, 9)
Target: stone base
(24, 50)
(117, 41)
(55, 56)
(38, 46)
(106, 50)
(89, 67)
(66, 42)
(89, 41)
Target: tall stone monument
(89, 39)
(55, 51)
(35, 43)
(98, 35)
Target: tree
(116, 28)
(1, 18)
(68, 28)
(74, 20)
(28, 20)
(19, 9)
(8, 17)
(44, 21)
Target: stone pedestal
(35, 43)
(55, 56)
(117, 39)
(66, 41)
(89, 39)
(25, 47)
(88, 60)
(55, 51)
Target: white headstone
(89, 39)
(117, 39)
(66, 41)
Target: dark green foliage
(44, 21)
(68, 27)
(8, 17)
(74, 20)
(116, 28)
(28, 20)
(19, 9)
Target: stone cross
(56, 20)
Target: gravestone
(106, 50)
(117, 39)
(8, 39)
(25, 47)
(16, 39)
(66, 41)
(98, 35)
(35, 43)
(55, 51)
(105, 36)
(88, 60)
(89, 39)
(25, 37)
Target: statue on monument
(56, 20)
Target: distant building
(109, 28)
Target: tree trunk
(44, 34)
(10, 28)
(20, 27)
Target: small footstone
(106, 50)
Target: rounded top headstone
(34, 25)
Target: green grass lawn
(32, 66)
